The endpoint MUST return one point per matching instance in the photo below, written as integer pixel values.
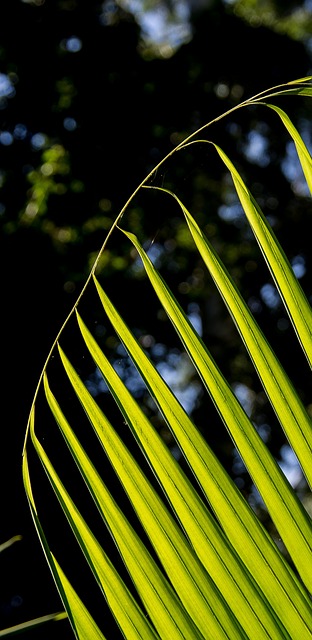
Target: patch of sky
(119, 367)
(176, 370)
(7, 89)
(299, 266)
(256, 148)
(136, 267)
(238, 466)
(245, 396)
(270, 296)
(161, 27)
(72, 44)
(95, 383)
(173, 359)
(158, 350)
(120, 349)
(232, 213)
(264, 431)
(188, 397)
(130, 376)
(165, 27)
(126, 371)
(293, 172)
(6, 138)
(255, 499)
(154, 252)
(193, 314)
(38, 141)
(290, 465)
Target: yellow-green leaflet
(288, 286)
(128, 615)
(208, 540)
(303, 153)
(85, 626)
(78, 615)
(8, 543)
(34, 623)
(285, 401)
(197, 591)
(237, 518)
(177, 552)
(286, 511)
(161, 603)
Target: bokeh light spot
(6, 138)
(70, 124)
(38, 141)
(72, 44)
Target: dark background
(88, 106)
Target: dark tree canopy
(87, 108)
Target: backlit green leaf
(285, 509)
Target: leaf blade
(126, 611)
(197, 592)
(160, 601)
(285, 401)
(303, 153)
(284, 507)
(210, 545)
(289, 288)
(238, 520)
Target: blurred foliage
(89, 104)
(291, 18)
(93, 117)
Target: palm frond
(201, 563)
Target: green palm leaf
(198, 594)
(197, 573)
(82, 623)
(285, 401)
(243, 529)
(128, 615)
(303, 153)
(286, 511)
(154, 590)
(208, 541)
(289, 288)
